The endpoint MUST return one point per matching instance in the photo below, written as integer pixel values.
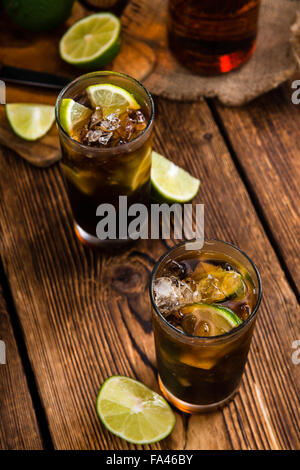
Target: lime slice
(208, 319)
(133, 412)
(86, 181)
(171, 183)
(111, 98)
(142, 174)
(92, 42)
(30, 121)
(72, 114)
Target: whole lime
(38, 15)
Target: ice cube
(203, 328)
(164, 293)
(96, 136)
(179, 269)
(126, 127)
(110, 123)
(210, 289)
(105, 138)
(111, 130)
(185, 293)
(171, 293)
(82, 98)
(96, 117)
(92, 136)
(136, 116)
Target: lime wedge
(72, 113)
(111, 98)
(92, 42)
(208, 319)
(142, 174)
(133, 412)
(171, 183)
(30, 121)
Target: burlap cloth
(273, 62)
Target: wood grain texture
(87, 315)
(18, 424)
(79, 325)
(258, 418)
(265, 138)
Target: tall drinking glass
(200, 359)
(95, 175)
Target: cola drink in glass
(204, 305)
(108, 156)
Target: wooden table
(71, 317)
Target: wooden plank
(87, 316)
(265, 138)
(18, 424)
(259, 417)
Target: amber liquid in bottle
(212, 37)
(114, 6)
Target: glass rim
(97, 151)
(207, 338)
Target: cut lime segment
(111, 98)
(133, 412)
(92, 42)
(30, 121)
(171, 183)
(208, 319)
(72, 114)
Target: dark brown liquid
(114, 6)
(213, 36)
(202, 373)
(102, 178)
(191, 269)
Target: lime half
(171, 183)
(30, 121)
(92, 42)
(71, 114)
(111, 98)
(133, 412)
